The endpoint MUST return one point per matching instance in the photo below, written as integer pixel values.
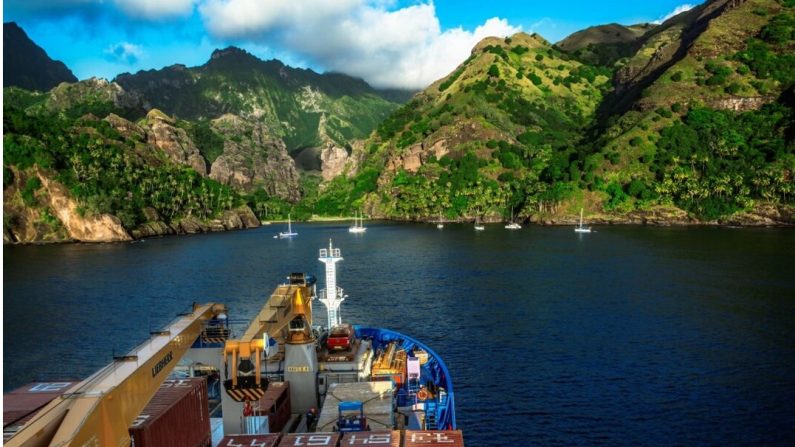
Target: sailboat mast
(580, 217)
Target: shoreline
(526, 223)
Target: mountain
(693, 123)
(303, 108)
(215, 155)
(471, 141)
(27, 65)
(604, 44)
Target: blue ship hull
(434, 370)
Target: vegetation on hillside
(519, 122)
(107, 172)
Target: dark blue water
(630, 336)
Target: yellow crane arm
(287, 303)
(99, 410)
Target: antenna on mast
(332, 296)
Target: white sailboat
(439, 223)
(289, 233)
(357, 227)
(479, 226)
(513, 225)
(582, 229)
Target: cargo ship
(280, 379)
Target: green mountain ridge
(304, 108)
(693, 126)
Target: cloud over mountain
(403, 47)
(156, 9)
(678, 10)
(124, 52)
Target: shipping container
(382, 438)
(326, 439)
(20, 405)
(271, 440)
(276, 405)
(177, 416)
(450, 438)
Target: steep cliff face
(98, 228)
(47, 213)
(25, 217)
(333, 161)
(254, 158)
(163, 133)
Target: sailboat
(289, 232)
(357, 227)
(582, 229)
(479, 226)
(439, 223)
(513, 225)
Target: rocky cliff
(47, 213)
(161, 132)
(254, 158)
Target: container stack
(177, 416)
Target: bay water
(627, 336)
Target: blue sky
(389, 43)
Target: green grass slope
(712, 132)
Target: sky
(389, 43)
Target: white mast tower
(332, 296)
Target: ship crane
(332, 296)
(99, 410)
(285, 317)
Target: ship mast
(332, 296)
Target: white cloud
(124, 52)
(678, 10)
(403, 47)
(156, 9)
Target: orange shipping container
(270, 440)
(177, 416)
(383, 438)
(417, 438)
(310, 439)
